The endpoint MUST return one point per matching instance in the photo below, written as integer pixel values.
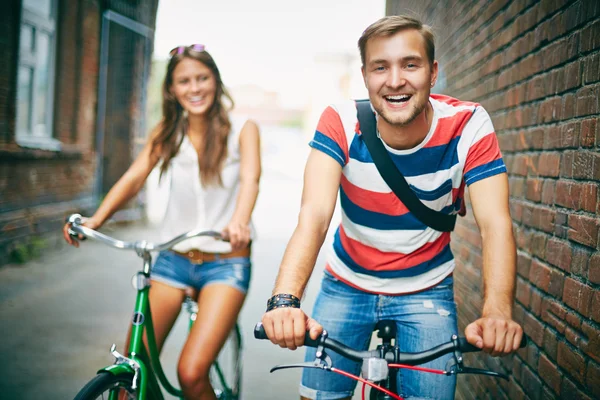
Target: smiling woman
(208, 170)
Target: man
(386, 264)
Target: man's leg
(424, 320)
(348, 315)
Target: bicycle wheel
(226, 372)
(101, 386)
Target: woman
(210, 171)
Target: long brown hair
(167, 138)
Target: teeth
(196, 98)
(400, 97)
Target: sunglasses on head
(180, 49)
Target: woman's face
(194, 86)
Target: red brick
(533, 328)
(523, 264)
(534, 189)
(551, 343)
(584, 230)
(548, 191)
(595, 315)
(578, 296)
(566, 168)
(539, 275)
(587, 101)
(591, 346)
(523, 292)
(579, 261)
(594, 270)
(517, 186)
(574, 320)
(573, 336)
(591, 37)
(574, 392)
(531, 383)
(591, 71)
(589, 196)
(588, 132)
(538, 240)
(549, 372)
(569, 135)
(592, 380)
(558, 253)
(572, 361)
(549, 164)
(535, 304)
(586, 165)
(554, 314)
(546, 278)
(516, 392)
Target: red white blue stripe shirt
(379, 245)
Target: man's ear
(434, 72)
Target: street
(61, 313)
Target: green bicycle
(138, 374)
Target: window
(35, 81)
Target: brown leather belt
(198, 256)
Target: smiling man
(384, 262)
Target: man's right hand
(89, 222)
(287, 327)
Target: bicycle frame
(148, 366)
(144, 364)
(145, 367)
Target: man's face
(398, 76)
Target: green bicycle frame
(149, 365)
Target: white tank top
(186, 204)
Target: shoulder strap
(393, 177)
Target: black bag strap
(393, 177)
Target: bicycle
(139, 374)
(380, 366)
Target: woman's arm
(238, 230)
(125, 188)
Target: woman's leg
(218, 308)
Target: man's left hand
(497, 336)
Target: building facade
(72, 96)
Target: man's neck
(408, 136)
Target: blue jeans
(179, 272)
(423, 320)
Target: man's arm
(287, 326)
(495, 332)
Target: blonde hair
(390, 25)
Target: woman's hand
(89, 222)
(237, 234)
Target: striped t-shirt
(380, 246)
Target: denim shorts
(179, 272)
(423, 320)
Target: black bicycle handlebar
(461, 344)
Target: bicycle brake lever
(478, 371)
(323, 361)
(301, 365)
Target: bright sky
(270, 43)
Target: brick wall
(535, 66)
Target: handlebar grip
(259, 333)
(467, 347)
